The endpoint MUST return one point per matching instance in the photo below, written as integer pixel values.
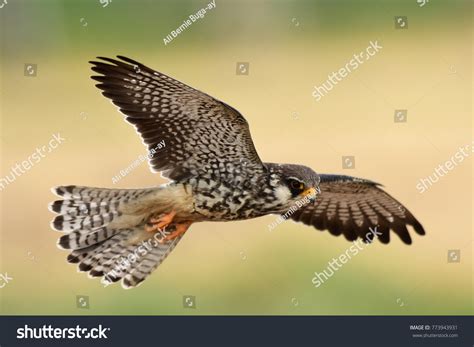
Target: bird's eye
(296, 186)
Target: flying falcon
(215, 174)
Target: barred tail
(105, 236)
(85, 208)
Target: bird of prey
(215, 174)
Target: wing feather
(353, 207)
(198, 131)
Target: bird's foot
(159, 224)
(180, 229)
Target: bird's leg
(160, 223)
(180, 229)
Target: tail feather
(82, 207)
(148, 264)
(85, 238)
(98, 194)
(69, 223)
(85, 208)
(115, 245)
(77, 255)
(88, 255)
(104, 239)
(131, 263)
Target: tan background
(242, 268)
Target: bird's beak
(310, 193)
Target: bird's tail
(105, 231)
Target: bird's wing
(354, 207)
(187, 132)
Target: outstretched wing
(354, 207)
(199, 133)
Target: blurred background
(424, 67)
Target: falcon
(203, 146)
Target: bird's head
(293, 183)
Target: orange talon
(181, 228)
(157, 224)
